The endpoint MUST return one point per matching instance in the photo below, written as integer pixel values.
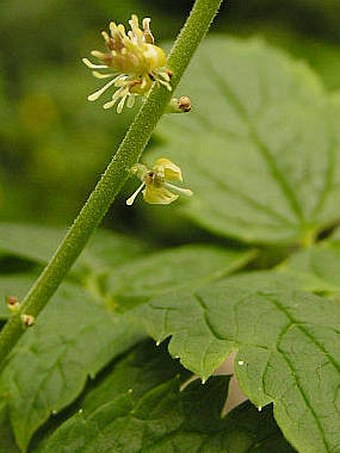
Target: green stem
(114, 177)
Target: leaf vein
(249, 200)
(206, 319)
(304, 397)
(329, 177)
(298, 324)
(264, 151)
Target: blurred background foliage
(55, 144)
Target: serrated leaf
(37, 243)
(260, 149)
(146, 411)
(288, 351)
(179, 267)
(72, 339)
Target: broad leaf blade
(107, 250)
(7, 441)
(37, 243)
(189, 266)
(150, 413)
(317, 268)
(33, 242)
(72, 339)
(260, 149)
(288, 351)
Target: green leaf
(271, 280)
(7, 442)
(107, 250)
(188, 266)
(139, 407)
(335, 98)
(288, 351)
(38, 243)
(72, 339)
(317, 268)
(33, 242)
(300, 277)
(260, 149)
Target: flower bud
(13, 303)
(27, 320)
(181, 105)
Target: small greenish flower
(157, 189)
(132, 61)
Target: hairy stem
(114, 177)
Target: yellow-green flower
(157, 189)
(133, 63)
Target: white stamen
(118, 94)
(105, 36)
(122, 82)
(146, 24)
(112, 26)
(133, 22)
(121, 103)
(131, 200)
(94, 96)
(166, 84)
(131, 101)
(143, 84)
(109, 104)
(121, 30)
(93, 66)
(97, 54)
(98, 75)
(165, 76)
(186, 192)
(148, 37)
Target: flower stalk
(113, 179)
